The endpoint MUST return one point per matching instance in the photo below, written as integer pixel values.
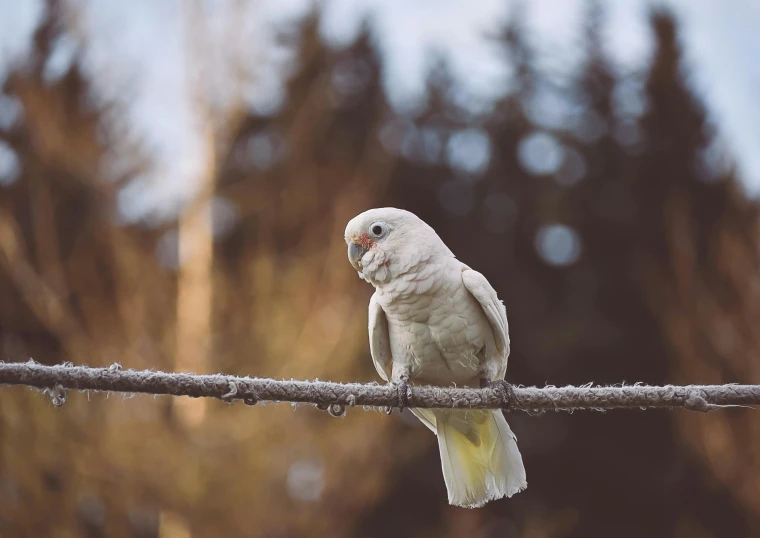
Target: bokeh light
(9, 164)
(558, 244)
(540, 153)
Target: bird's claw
(505, 390)
(404, 391)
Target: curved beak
(355, 253)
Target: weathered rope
(335, 397)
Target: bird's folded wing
(493, 308)
(379, 339)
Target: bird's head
(385, 242)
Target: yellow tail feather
(479, 454)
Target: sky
(137, 54)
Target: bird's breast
(438, 332)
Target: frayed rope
(336, 397)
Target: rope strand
(335, 397)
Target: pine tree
(699, 268)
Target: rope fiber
(335, 397)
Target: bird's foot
(505, 391)
(404, 391)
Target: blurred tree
(586, 319)
(74, 287)
(698, 270)
(622, 251)
(78, 286)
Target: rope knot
(696, 402)
(230, 394)
(335, 409)
(237, 391)
(506, 393)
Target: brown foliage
(665, 290)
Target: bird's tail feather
(479, 454)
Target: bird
(435, 321)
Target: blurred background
(175, 179)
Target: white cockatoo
(435, 321)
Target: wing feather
(493, 308)
(379, 339)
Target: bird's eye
(378, 229)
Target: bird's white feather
(442, 322)
(379, 343)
